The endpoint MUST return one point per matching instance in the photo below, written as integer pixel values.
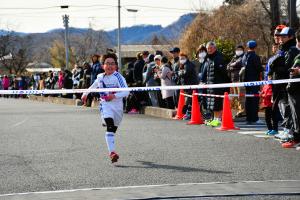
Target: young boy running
(111, 103)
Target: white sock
(110, 141)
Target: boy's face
(110, 66)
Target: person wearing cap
(279, 69)
(253, 69)
(275, 49)
(294, 103)
(216, 73)
(233, 69)
(273, 114)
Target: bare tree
(89, 43)
(18, 47)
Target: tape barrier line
(187, 95)
(154, 88)
(230, 95)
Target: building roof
(130, 51)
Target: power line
(89, 6)
(28, 8)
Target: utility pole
(293, 18)
(66, 25)
(119, 35)
(275, 13)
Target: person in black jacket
(87, 71)
(292, 64)
(138, 70)
(279, 69)
(175, 67)
(187, 76)
(233, 69)
(253, 69)
(68, 83)
(216, 73)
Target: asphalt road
(48, 147)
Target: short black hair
(110, 55)
(164, 59)
(298, 36)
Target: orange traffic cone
(196, 117)
(180, 106)
(227, 121)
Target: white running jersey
(114, 108)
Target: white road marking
(251, 132)
(139, 186)
(20, 123)
(263, 136)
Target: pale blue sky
(43, 15)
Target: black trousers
(281, 100)
(252, 104)
(294, 102)
(271, 118)
(170, 102)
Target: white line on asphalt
(251, 132)
(263, 136)
(139, 186)
(20, 123)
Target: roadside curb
(159, 112)
(56, 100)
(148, 110)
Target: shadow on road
(151, 165)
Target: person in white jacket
(111, 103)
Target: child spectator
(270, 115)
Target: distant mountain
(139, 34)
(5, 32)
(174, 30)
(145, 33)
(134, 34)
(72, 30)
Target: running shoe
(114, 157)
(267, 133)
(133, 111)
(279, 135)
(207, 122)
(291, 144)
(286, 137)
(215, 123)
(273, 132)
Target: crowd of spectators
(280, 102)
